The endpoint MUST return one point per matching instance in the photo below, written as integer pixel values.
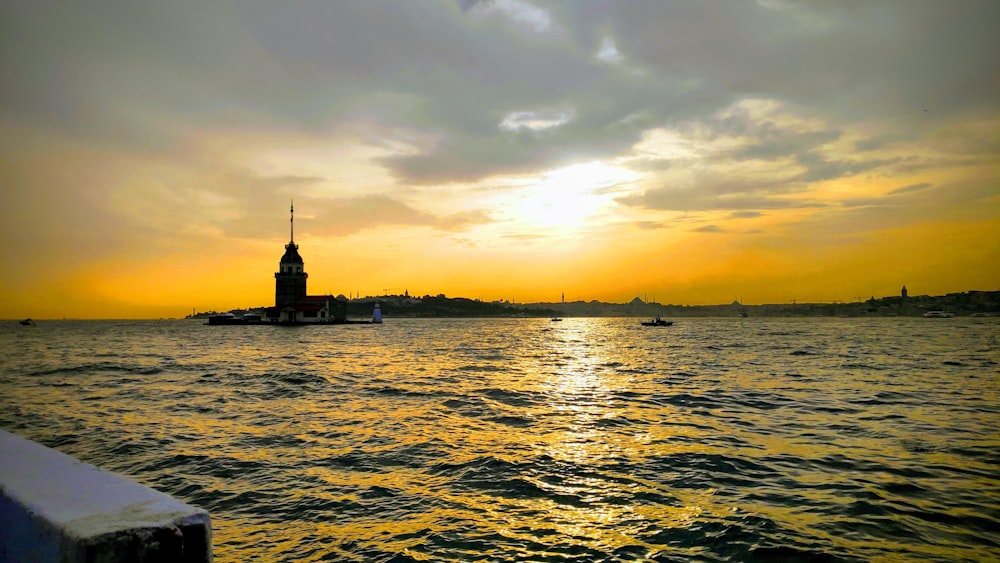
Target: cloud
(608, 53)
(745, 214)
(143, 78)
(924, 199)
(777, 143)
(841, 64)
(819, 168)
(708, 229)
(754, 154)
(524, 236)
(320, 217)
(467, 5)
(711, 191)
(879, 141)
(911, 188)
(535, 120)
(650, 225)
(522, 13)
(692, 200)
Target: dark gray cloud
(860, 58)
(879, 141)
(776, 143)
(142, 76)
(467, 5)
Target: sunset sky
(691, 152)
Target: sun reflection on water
(523, 439)
(581, 385)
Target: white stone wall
(56, 508)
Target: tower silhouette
(290, 279)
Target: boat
(657, 322)
(556, 319)
(377, 314)
(27, 322)
(247, 318)
(225, 319)
(938, 315)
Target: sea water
(530, 440)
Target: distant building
(903, 293)
(291, 302)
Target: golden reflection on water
(578, 387)
(538, 435)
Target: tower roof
(291, 255)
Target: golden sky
(688, 152)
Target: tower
(903, 293)
(290, 279)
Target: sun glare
(570, 197)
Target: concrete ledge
(54, 507)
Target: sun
(569, 198)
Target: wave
(508, 440)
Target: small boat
(225, 319)
(555, 319)
(27, 322)
(657, 322)
(938, 315)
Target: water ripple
(510, 440)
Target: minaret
(290, 279)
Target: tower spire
(291, 222)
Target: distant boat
(377, 314)
(657, 322)
(247, 318)
(744, 314)
(938, 315)
(224, 319)
(27, 322)
(556, 319)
